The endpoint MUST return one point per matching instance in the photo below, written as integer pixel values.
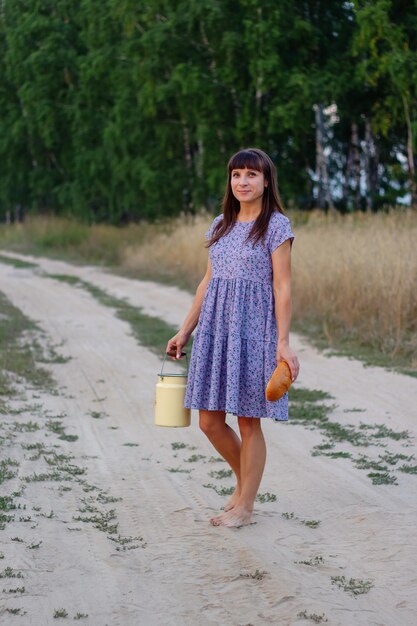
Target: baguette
(279, 383)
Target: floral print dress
(235, 343)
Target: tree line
(118, 110)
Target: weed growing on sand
(256, 575)
(105, 499)
(15, 590)
(80, 615)
(131, 444)
(101, 520)
(221, 491)
(126, 543)
(60, 613)
(311, 523)
(18, 353)
(25, 427)
(408, 469)
(194, 458)
(266, 497)
(5, 519)
(9, 572)
(97, 414)
(5, 472)
(382, 478)
(16, 611)
(178, 445)
(57, 428)
(179, 470)
(354, 586)
(216, 459)
(316, 560)
(317, 619)
(55, 475)
(220, 474)
(305, 411)
(18, 539)
(34, 546)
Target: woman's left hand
(284, 353)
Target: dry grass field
(354, 276)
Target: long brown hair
(253, 159)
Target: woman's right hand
(176, 344)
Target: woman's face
(247, 185)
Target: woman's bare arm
(281, 269)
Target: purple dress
(235, 343)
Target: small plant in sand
(179, 470)
(317, 619)
(16, 611)
(311, 523)
(178, 445)
(220, 474)
(60, 613)
(221, 491)
(266, 497)
(382, 478)
(131, 444)
(9, 572)
(316, 560)
(15, 590)
(256, 575)
(194, 458)
(127, 543)
(408, 469)
(97, 414)
(354, 586)
(80, 615)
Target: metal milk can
(169, 399)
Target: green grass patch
(18, 354)
(17, 263)
(352, 345)
(306, 410)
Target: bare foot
(236, 517)
(232, 502)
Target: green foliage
(128, 110)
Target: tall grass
(354, 276)
(70, 239)
(357, 276)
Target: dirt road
(330, 534)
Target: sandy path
(188, 572)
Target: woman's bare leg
(252, 464)
(227, 443)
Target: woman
(243, 310)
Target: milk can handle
(182, 354)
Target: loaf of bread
(279, 382)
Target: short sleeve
(209, 233)
(280, 231)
